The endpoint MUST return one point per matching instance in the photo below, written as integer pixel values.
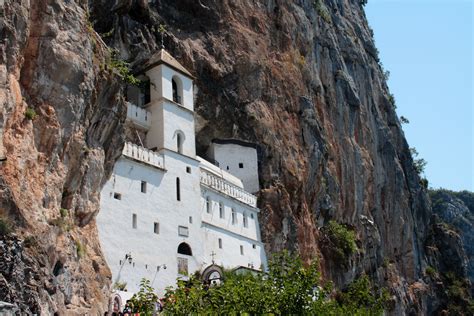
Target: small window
(178, 190)
(220, 243)
(156, 228)
(208, 205)
(234, 217)
(227, 167)
(183, 231)
(190, 219)
(241, 165)
(254, 246)
(241, 250)
(143, 187)
(134, 221)
(221, 210)
(251, 215)
(179, 140)
(117, 196)
(188, 169)
(245, 220)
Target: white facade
(239, 158)
(165, 207)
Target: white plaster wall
(166, 119)
(233, 235)
(159, 204)
(230, 155)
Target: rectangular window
(208, 205)
(254, 246)
(156, 228)
(117, 196)
(178, 190)
(241, 165)
(190, 219)
(241, 250)
(183, 231)
(221, 210)
(183, 266)
(234, 217)
(220, 243)
(188, 169)
(143, 187)
(134, 221)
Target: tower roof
(163, 57)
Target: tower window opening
(241, 250)
(179, 142)
(177, 89)
(220, 243)
(156, 228)
(241, 165)
(143, 187)
(245, 220)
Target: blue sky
(427, 47)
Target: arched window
(179, 141)
(184, 249)
(178, 190)
(177, 90)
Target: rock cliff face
(300, 78)
(60, 121)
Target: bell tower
(171, 105)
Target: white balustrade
(144, 155)
(221, 185)
(138, 116)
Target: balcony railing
(140, 117)
(144, 155)
(227, 188)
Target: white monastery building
(166, 213)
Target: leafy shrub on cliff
(5, 226)
(121, 68)
(338, 241)
(322, 10)
(460, 301)
(30, 114)
(289, 288)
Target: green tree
(144, 300)
(289, 288)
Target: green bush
(64, 212)
(322, 10)
(339, 241)
(80, 249)
(30, 114)
(430, 271)
(144, 300)
(122, 69)
(5, 227)
(289, 288)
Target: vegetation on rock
(30, 114)
(338, 241)
(289, 288)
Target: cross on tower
(213, 254)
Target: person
(127, 310)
